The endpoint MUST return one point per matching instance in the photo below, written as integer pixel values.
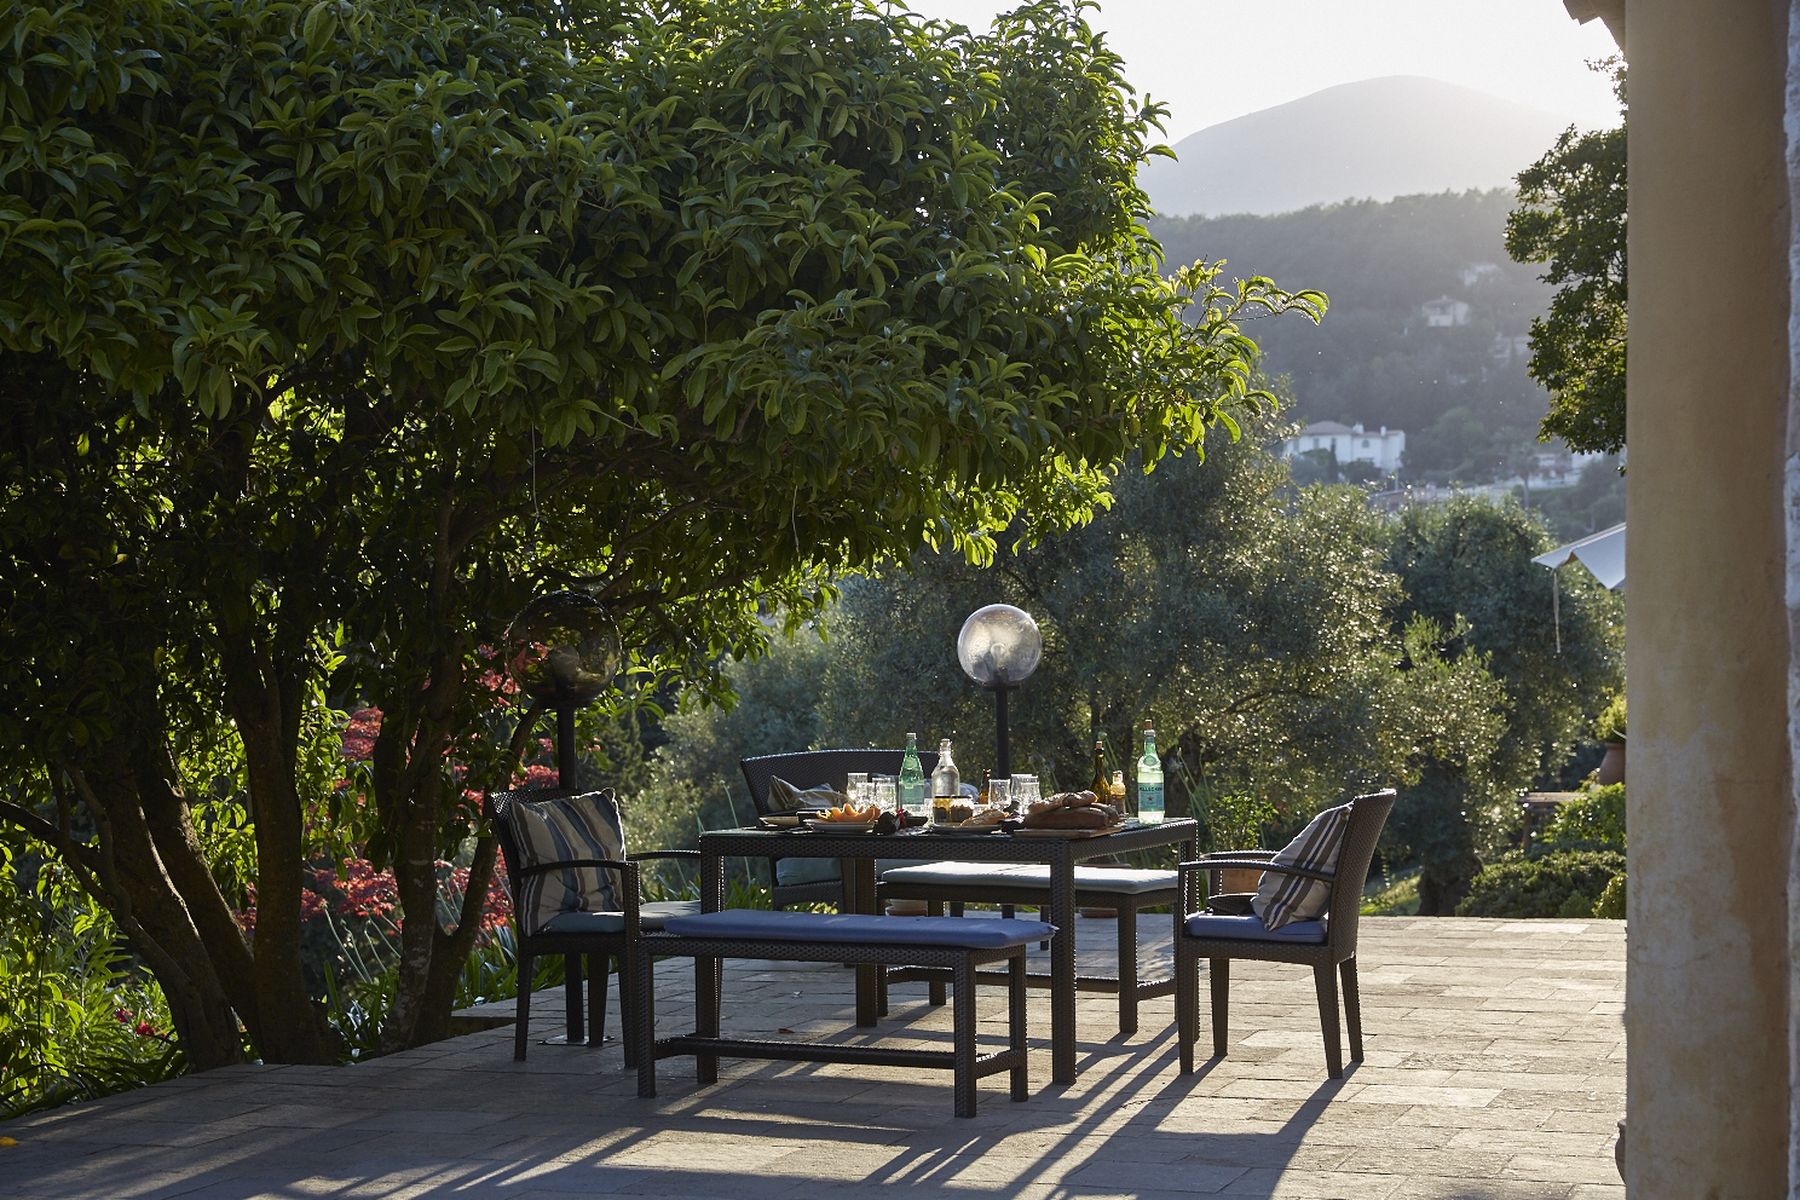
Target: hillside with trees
(1460, 392)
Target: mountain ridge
(1369, 139)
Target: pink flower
(122, 1015)
(145, 1029)
(360, 734)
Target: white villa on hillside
(1444, 312)
(1350, 443)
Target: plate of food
(847, 818)
(986, 820)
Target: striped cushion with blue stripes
(561, 830)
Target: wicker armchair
(599, 936)
(1328, 946)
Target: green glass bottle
(911, 786)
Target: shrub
(1561, 883)
(1596, 821)
(1609, 726)
(1611, 904)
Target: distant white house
(1382, 449)
(1444, 312)
(1474, 273)
(1508, 346)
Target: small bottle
(987, 778)
(1101, 784)
(946, 783)
(1150, 781)
(1116, 793)
(910, 788)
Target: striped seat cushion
(1282, 899)
(561, 830)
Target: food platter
(821, 826)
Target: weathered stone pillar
(1711, 804)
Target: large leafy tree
(1571, 216)
(331, 332)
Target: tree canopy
(332, 332)
(1571, 216)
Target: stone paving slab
(1495, 1070)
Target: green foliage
(694, 782)
(1234, 821)
(77, 1019)
(1571, 216)
(1594, 820)
(1396, 896)
(1609, 726)
(1611, 904)
(1466, 567)
(334, 332)
(1564, 883)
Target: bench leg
(1128, 968)
(963, 1024)
(522, 1017)
(708, 982)
(934, 988)
(1015, 1024)
(644, 1025)
(572, 997)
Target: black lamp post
(563, 649)
(999, 647)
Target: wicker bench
(959, 945)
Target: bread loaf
(1061, 817)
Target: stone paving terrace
(1495, 1069)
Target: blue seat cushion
(1122, 880)
(650, 916)
(789, 871)
(975, 933)
(1249, 927)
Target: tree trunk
(143, 900)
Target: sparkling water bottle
(1150, 781)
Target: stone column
(1711, 809)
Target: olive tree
(331, 332)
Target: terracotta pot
(1612, 767)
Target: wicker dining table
(859, 851)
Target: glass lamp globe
(999, 646)
(562, 648)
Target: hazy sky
(1211, 60)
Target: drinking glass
(882, 794)
(1026, 791)
(856, 788)
(999, 792)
